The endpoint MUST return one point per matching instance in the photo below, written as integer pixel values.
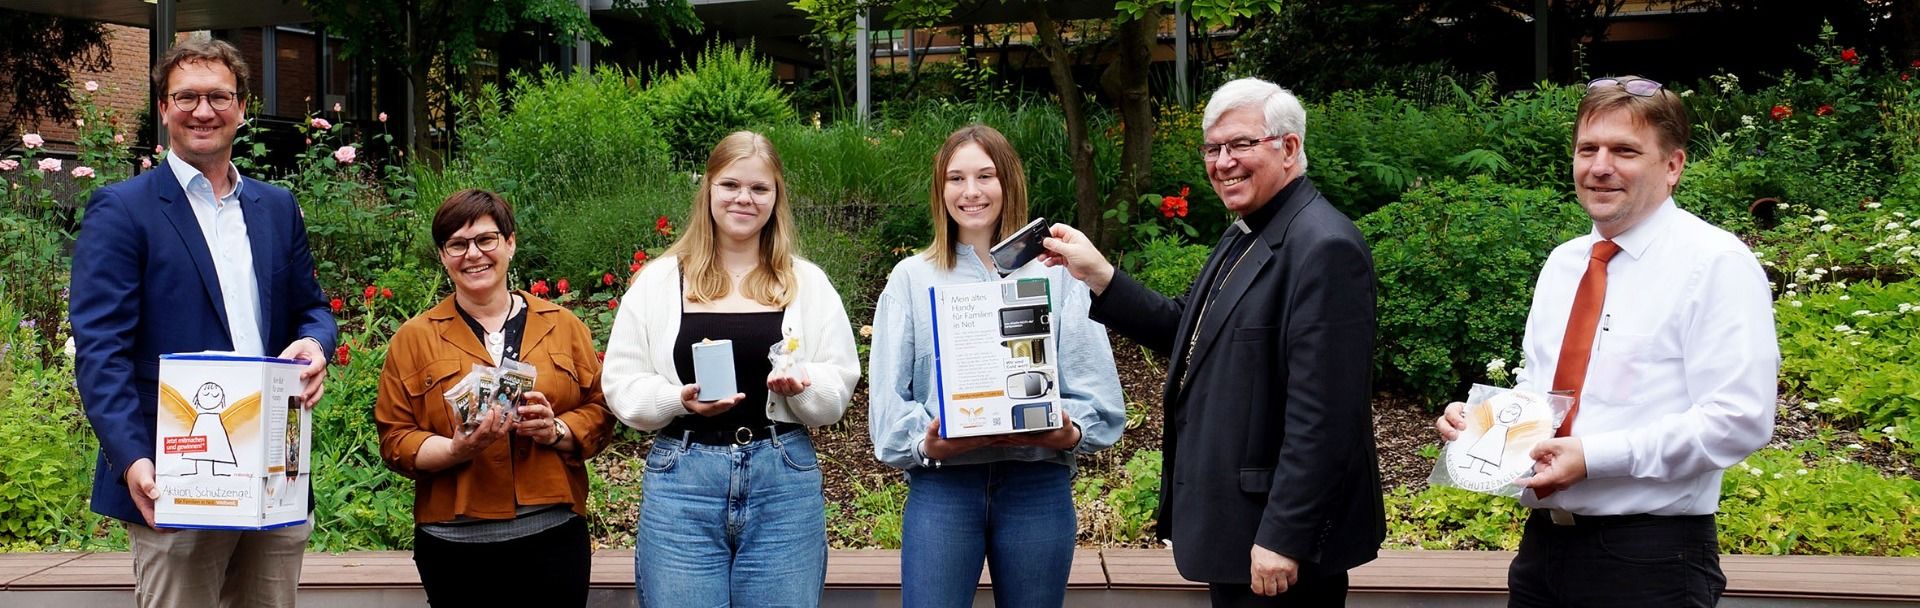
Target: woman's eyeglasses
(729, 190)
(1637, 87)
(485, 242)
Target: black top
(512, 330)
(752, 334)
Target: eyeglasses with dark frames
(188, 101)
(1637, 87)
(1236, 148)
(485, 242)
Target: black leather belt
(1563, 518)
(735, 436)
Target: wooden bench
(1107, 578)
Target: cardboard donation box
(233, 444)
(993, 358)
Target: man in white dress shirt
(1663, 324)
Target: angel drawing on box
(1490, 448)
(209, 402)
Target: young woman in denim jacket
(733, 513)
(1006, 499)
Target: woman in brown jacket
(499, 502)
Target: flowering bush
(1848, 351)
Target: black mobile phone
(1022, 246)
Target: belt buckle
(742, 436)
(1561, 517)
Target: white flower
(1887, 431)
(1755, 472)
(1862, 313)
(1746, 121)
(1833, 400)
(1794, 303)
(1517, 370)
(1892, 225)
(1842, 298)
(1853, 343)
(1842, 328)
(1800, 472)
(1793, 286)
(1914, 224)
(1827, 228)
(68, 349)
(1855, 446)
(1818, 218)
(1494, 366)
(1812, 256)
(1686, 93)
(1778, 476)
(1790, 294)
(1873, 205)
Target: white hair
(1282, 110)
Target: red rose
(386, 293)
(539, 288)
(635, 267)
(1850, 57)
(1782, 111)
(370, 291)
(613, 304)
(601, 354)
(641, 255)
(337, 304)
(342, 355)
(1916, 63)
(563, 286)
(662, 226)
(607, 279)
(1904, 77)
(1823, 110)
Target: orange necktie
(1576, 347)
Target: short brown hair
(1013, 189)
(1663, 110)
(463, 207)
(196, 50)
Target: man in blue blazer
(191, 257)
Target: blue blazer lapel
(261, 236)
(175, 205)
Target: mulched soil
(1402, 426)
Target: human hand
(787, 384)
(1063, 438)
(1072, 248)
(1450, 423)
(312, 378)
(141, 486)
(493, 425)
(690, 399)
(1272, 572)
(1558, 463)
(537, 419)
(940, 448)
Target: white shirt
(1682, 380)
(225, 229)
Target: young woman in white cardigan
(733, 513)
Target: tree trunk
(1125, 80)
(1086, 192)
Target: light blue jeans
(732, 525)
(1018, 516)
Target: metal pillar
(1540, 16)
(270, 71)
(1182, 90)
(863, 68)
(161, 42)
(582, 49)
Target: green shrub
(49, 448)
(1167, 266)
(1808, 500)
(359, 504)
(875, 518)
(1849, 351)
(1456, 263)
(1453, 519)
(725, 90)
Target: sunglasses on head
(1637, 87)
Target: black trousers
(546, 569)
(1626, 560)
(1329, 590)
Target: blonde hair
(1013, 189)
(772, 282)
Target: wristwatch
(559, 432)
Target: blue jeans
(1018, 516)
(732, 525)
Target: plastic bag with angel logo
(1503, 425)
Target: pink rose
(79, 122)
(336, 108)
(383, 117)
(146, 162)
(344, 154)
(32, 140)
(321, 123)
(159, 149)
(9, 164)
(119, 138)
(49, 165)
(92, 86)
(83, 172)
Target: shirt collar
(190, 177)
(1635, 241)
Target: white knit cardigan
(643, 388)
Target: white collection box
(233, 444)
(993, 357)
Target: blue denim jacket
(901, 398)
